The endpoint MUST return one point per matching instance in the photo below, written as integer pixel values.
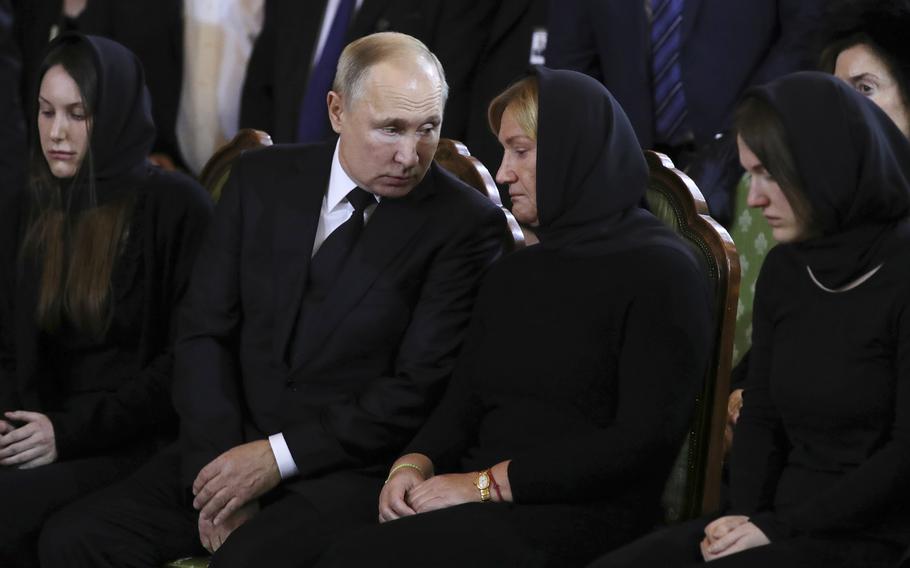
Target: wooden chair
(455, 157)
(693, 488)
(217, 169)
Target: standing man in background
(293, 61)
(678, 67)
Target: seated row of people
(327, 308)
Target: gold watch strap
(482, 482)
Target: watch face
(483, 481)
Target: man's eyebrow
(400, 122)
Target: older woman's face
(62, 123)
(518, 168)
(860, 67)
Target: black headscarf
(591, 173)
(854, 165)
(122, 127)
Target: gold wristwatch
(483, 484)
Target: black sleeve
(257, 100)
(206, 374)
(761, 444)
(662, 362)
(452, 427)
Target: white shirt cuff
(286, 466)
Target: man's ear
(335, 105)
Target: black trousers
(145, 521)
(494, 535)
(29, 496)
(677, 547)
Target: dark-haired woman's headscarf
(854, 165)
(122, 127)
(591, 173)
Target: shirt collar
(340, 183)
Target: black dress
(821, 455)
(107, 397)
(581, 365)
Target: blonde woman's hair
(522, 98)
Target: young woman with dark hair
(95, 258)
(821, 457)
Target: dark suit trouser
(677, 547)
(146, 521)
(482, 535)
(28, 497)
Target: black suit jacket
(374, 354)
(280, 64)
(505, 58)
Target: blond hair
(522, 97)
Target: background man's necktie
(669, 98)
(313, 122)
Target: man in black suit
(725, 48)
(308, 355)
(283, 57)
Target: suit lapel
(391, 227)
(296, 219)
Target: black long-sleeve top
(582, 371)
(106, 394)
(823, 441)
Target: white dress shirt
(335, 210)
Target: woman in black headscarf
(821, 460)
(572, 395)
(95, 257)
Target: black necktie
(329, 259)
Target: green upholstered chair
(753, 239)
(455, 157)
(693, 487)
(218, 167)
